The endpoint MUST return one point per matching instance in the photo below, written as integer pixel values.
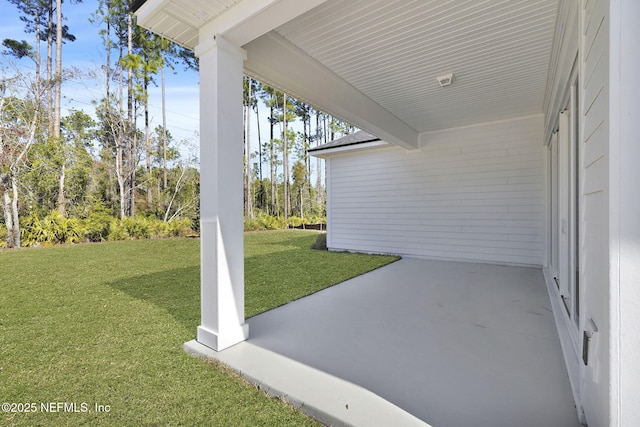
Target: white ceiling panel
(180, 20)
(393, 50)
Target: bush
(265, 222)
(181, 228)
(137, 228)
(268, 222)
(98, 224)
(52, 229)
(144, 228)
(117, 231)
(3, 236)
(321, 242)
(129, 228)
(296, 221)
(97, 227)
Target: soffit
(180, 20)
(392, 51)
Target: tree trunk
(62, 202)
(164, 129)
(285, 159)
(12, 218)
(14, 209)
(332, 126)
(307, 144)
(301, 190)
(133, 156)
(318, 164)
(38, 62)
(108, 53)
(56, 107)
(131, 163)
(175, 193)
(272, 165)
(259, 144)
(261, 190)
(57, 79)
(120, 178)
(249, 200)
(50, 66)
(306, 130)
(120, 77)
(8, 217)
(147, 147)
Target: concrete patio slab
(328, 399)
(416, 342)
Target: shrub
(98, 224)
(296, 221)
(158, 228)
(252, 225)
(321, 242)
(268, 222)
(117, 231)
(181, 228)
(262, 222)
(52, 229)
(3, 236)
(136, 228)
(273, 222)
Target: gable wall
(473, 194)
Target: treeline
(65, 171)
(281, 178)
(110, 159)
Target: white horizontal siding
(474, 194)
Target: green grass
(105, 323)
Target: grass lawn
(105, 323)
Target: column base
(219, 342)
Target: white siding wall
(595, 249)
(474, 193)
(624, 218)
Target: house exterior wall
(474, 194)
(624, 218)
(594, 77)
(607, 388)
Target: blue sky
(87, 53)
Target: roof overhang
(357, 141)
(189, 22)
(375, 64)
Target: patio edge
(319, 395)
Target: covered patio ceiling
(375, 63)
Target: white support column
(221, 198)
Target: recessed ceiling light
(445, 80)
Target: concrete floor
(443, 343)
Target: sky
(87, 53)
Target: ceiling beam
(277, 62)
(250, 19)
(244, 21)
